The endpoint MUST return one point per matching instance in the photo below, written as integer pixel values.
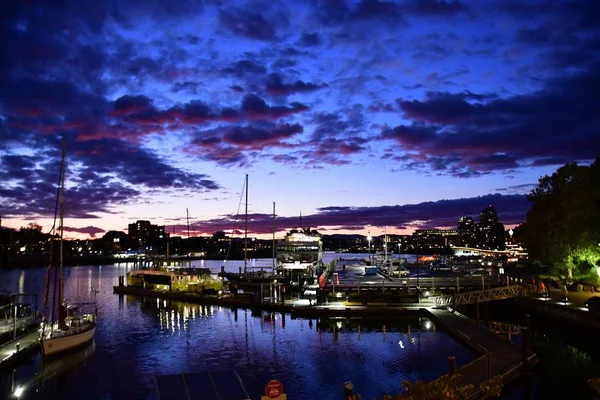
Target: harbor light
(19, 391)
(427, 325)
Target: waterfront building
(148, 237)
(434, 239)
(113, 242)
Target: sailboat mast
(385, 246)
(246, 230)
(187, 213)
(62, 216)
(273, 236)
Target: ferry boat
(300, 255)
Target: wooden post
(482, 282)
(453, 301)
(433, 284)
(348, 391)
(451, 365)
(507, 280)
(457, 285)
(477, 310)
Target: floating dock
(16, 351)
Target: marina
(177, 311)
(141, 337)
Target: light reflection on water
(138, 338)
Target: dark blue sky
(360, 115)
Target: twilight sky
(359, 115)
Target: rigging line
(53, 233)
(235, 220)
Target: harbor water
(139, 338)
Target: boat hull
(371, 271)
(61, 344)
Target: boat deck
(352, 276)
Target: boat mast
(273, 237)
(385, 246)
(61, 221)
(188, 223)
(246, 230)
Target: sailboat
(250, 277)
(71, 326)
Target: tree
(563, 224)
(447, 387)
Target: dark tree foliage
(563, 224)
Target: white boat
(61, 340)
(71, 326)
(300, 254)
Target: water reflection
(47, 380)
(138, 338)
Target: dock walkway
(497, 355)
(27, 344)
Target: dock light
(19, 391)
(427, 293)
(427, 325)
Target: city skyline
(361, 116)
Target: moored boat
(194, 280)
(300, 255)
(70, 328)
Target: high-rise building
(467, 231)
(490, 232)
(488, 217)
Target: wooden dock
(497, 355)
(17, 350)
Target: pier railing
(497, 293)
